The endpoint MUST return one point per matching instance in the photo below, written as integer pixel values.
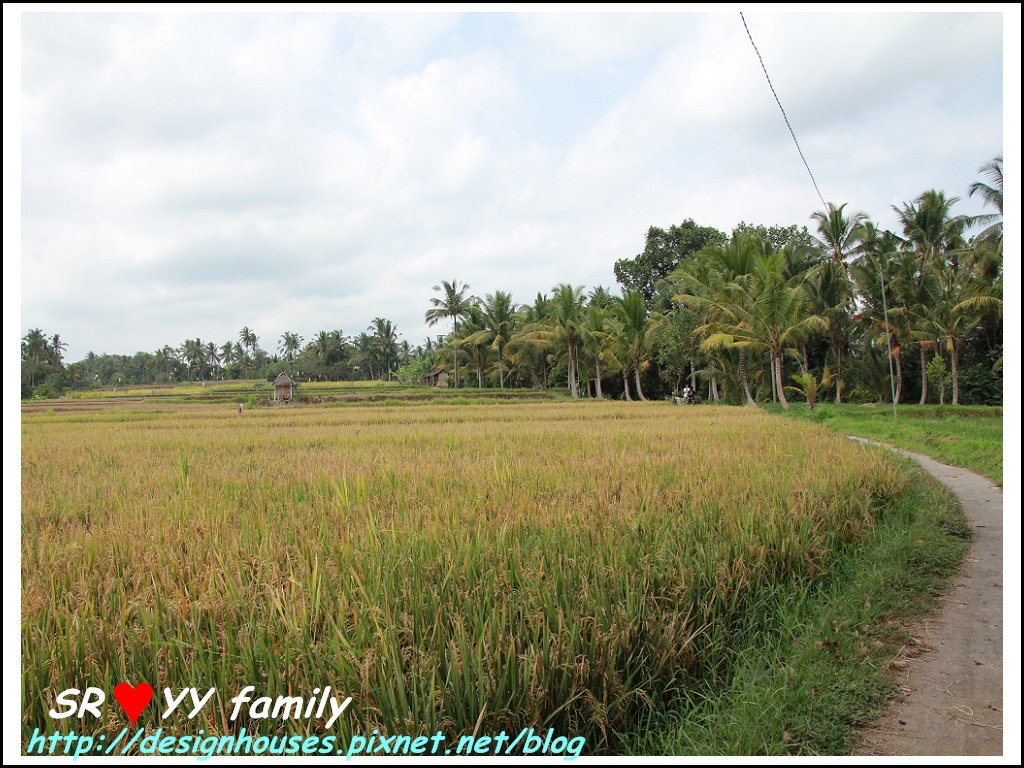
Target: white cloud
(184, 175)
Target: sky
(187, 174)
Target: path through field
(952, 680)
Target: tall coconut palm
(951, 316)
(322, 344)
(248, 339)
(762, 313)
(497, 325)
(991, 192)
(832, 291)
(290, 345)
(709, 275)
(566, 318)
(453, 303)
(57, 349)
(365, 353)
(529, 346)
(931, 229)
(35, 349)
(212, 354)
(561, 328)
(838, 232)
(194, 354)
(599, 334)
(472, 337)
(227, 356)
(385, 342)
(636, 326)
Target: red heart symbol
(133, 700)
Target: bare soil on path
(952, 675)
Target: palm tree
(636, 329)
(385, 341)
(290, 345)
(761, 313)
(931, 229)
(365, 352)
(321, 345)
(991, 192)
(832, 291)
(497, 320)
(599, 334)
(838, 232)
(473, 336)
(248, 340)
(57, 349)
(35, 348)
(212, 355)
(227, 356)
(565, 318)
(528, 348)
(454, 304)
(709, 275)
(950, 316)
(194, 354)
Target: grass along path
(964, 436)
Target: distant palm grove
(844, 311)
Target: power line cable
(784, 116)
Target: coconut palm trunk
(955, 359)
(573, 386)
(636, 378)
(625, 384)
(743, 378)
(777, 366)
(455, 352)
(898, 360)
(597, 381)
(924, 376)
(839, 378)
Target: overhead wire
(782, 109)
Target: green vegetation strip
(963, 436)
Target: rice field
(458, 567)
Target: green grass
(820, 666)
(964, 436)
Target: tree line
(846, 310)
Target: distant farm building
(283, 386)
(437, 378)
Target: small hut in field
(283, 387)
(437, 378)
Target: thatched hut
(284, 386)
(437, 378)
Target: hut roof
(284, 378)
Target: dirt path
(952, 700)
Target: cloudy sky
(184, 175)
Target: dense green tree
(663, 251)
